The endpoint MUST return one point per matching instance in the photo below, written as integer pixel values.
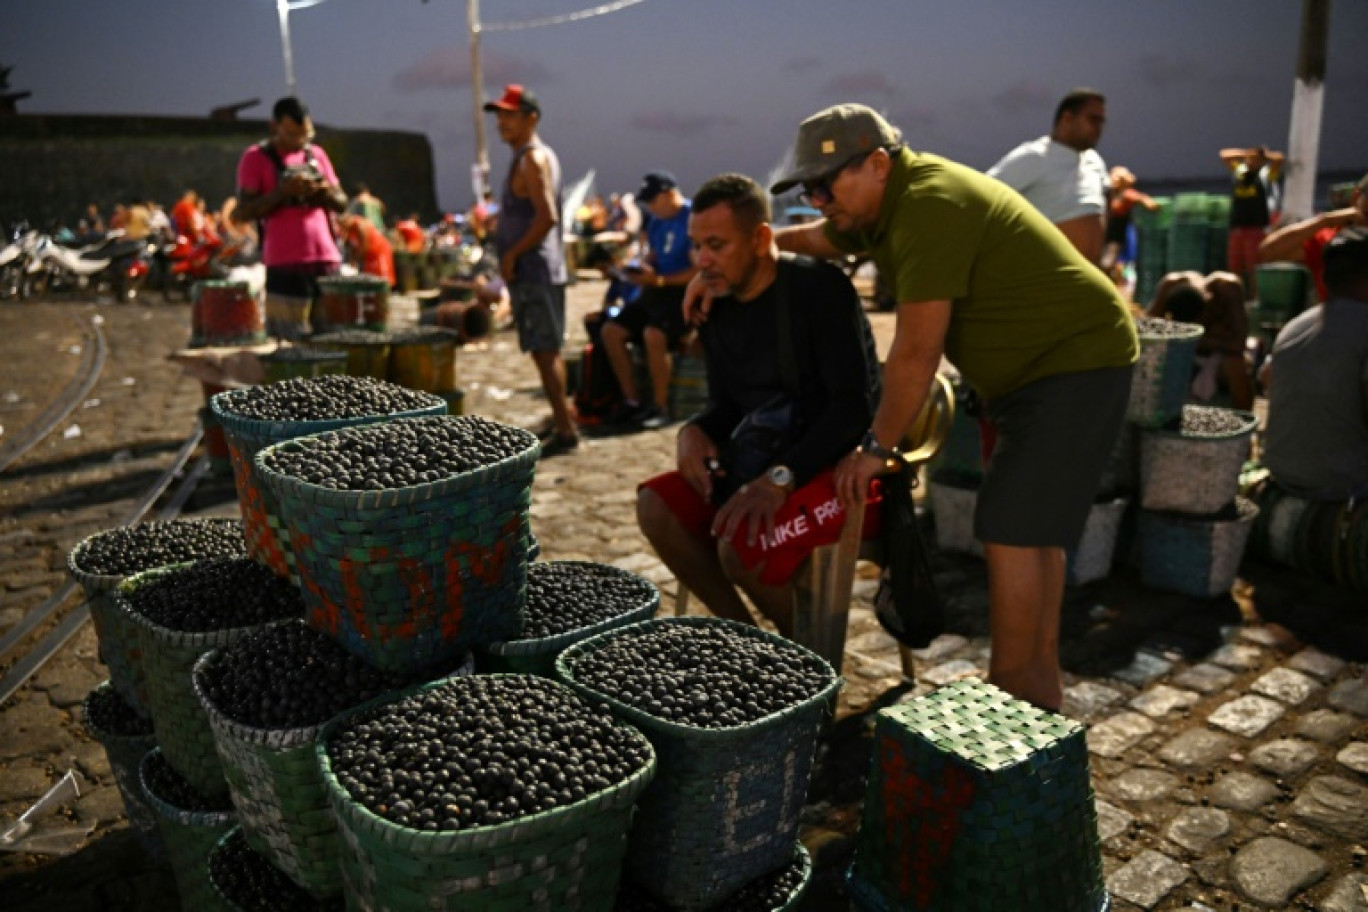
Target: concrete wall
(53, 166)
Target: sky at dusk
(703, 86)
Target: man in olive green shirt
(981, 277)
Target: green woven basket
(977, 802)
(367, 353)
(724, 807)
(189, 837)
(1159, 385)
(565, 860)
(283, 896)
(538, 656)
(125, 753)
(412, 577)
(276, 786)
(632, 898)
(267, 539)
(168, 657)
(1194, 555)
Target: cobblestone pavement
(1229, 759)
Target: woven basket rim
(99, 734)
(394, 497)
(1247, 510)
(540, 645)
(183, 637)
(180, 815)
(320, 342)
(104, 581)
(257, 428)
(618, 795)
(1191, 331)
(639, 717)
(1249, 422)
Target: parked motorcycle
(116, 265)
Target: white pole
(1303, 144)
(283, 11)
(477, 92)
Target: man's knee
(654, 517)
(656, 339)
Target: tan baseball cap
(832, 137)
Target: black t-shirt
(834, 349)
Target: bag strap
(788, 361)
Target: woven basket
(367, 355)
(412, 577)
(168, 658)
(1193, 555)
(1160, 382)
(724, 808)
(424, 360)
(189, 837)
(565, 860)
(953, 506)
(1193, 473)
(276, 786)
(125, 753)
(301, 363)
(1092, 559)
(360, 301)
(538, 656)
(977, 802)
(267, 539)
(633, 898)
(226, 313)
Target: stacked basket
(1151, 242)
(1189, 233)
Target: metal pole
(477, 91)
(283, 11)
(1303, 144)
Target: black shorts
(298, 280)
(1054, 438)
(662, 308)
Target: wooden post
(1303, 144)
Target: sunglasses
(818, 193)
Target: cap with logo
(515, 98)
(831, 137)
(654, 184)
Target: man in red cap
(532, 254)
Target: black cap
(654, 184)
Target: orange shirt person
(369, 247)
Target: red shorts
(812, 516)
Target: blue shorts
(539, 312)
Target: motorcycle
(116, 264)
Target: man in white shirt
(1062, 175)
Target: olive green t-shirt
(1024, 303)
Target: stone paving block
(1237, 656)
(1162, 700)
(1111, 820)
(942, 646)
(1142, 784)
(1248, 715)
(1197, 748)
(1144, 668)
(1088, 699)
(1334, 804)
(1112, 737)
(1260, 636)
(1316, 663)
(1325, 725)
(1241, 791)
(1284, 684)
(1348, 894)
(943, 674)
(1147, 879)
(1198, 829)
(1285, 757)
(1271, 871)
(27, 730)
(1351, 696)
(1355, 756)
(1204, 678)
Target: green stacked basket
(267, 539)
(125, 750)
(290, 362)
(407, 578)
(1151, 246)
(538, 655)
(778, 891)
(247, 881)
(367, 353)
(1188, 235)
(692, 845)
(568, 859)
(189, 837)
(116, 632)
(1159, 384)
(977, 802)
(1194, 555)
(1218, 218)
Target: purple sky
(702, 86)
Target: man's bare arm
(807, 240)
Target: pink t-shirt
(294, 234)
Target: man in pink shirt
(288, 186)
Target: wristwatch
(781, 476)
(870, 444)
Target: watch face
(781, 475)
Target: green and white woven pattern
(1160, 382)
(724, 806)
(1193, 473)
(1194, 555)
(538, 656)
(189, 837)
(116, 632)
(168, 657)
(267, 539)
(977, 802)
(408, 578)
(125, 753)
(565, 860)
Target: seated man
(1304, 242)
(714, 522)
(1316, 441)
(657, 323)
(599, 395)
(1216, 302)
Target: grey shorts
(539, 311)
(1054, 438)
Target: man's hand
(698, 301)
(642, 275)
(508, 267)
(754, 504)
(853, 474)
(695, 453)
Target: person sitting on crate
(1216, 301)
(1304, 242)
(1316, 440)
(793, 380)
(599, 394)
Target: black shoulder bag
(907, 602)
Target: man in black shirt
(714, 522)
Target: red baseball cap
(515, 98)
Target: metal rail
(92, 364)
